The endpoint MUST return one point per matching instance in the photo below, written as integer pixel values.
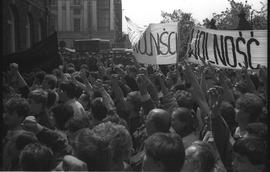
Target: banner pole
(178, 44)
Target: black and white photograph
(135, 85)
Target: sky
(144, 12)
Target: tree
(186, 23)
(229, 19)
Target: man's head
(131, 70)
(94, 150)
(182, 121)
(37, 100)
(249, 107)
(200, 156)
(98, 109)
(49, 82)
(164, 152)
(37, 157)
(250, 154)
(119, 138)
(16, 109)
(67, 91)
(158, 120)
(184, 99)
(133, 100)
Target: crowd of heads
(99, 115)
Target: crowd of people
(99, 115)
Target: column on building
(111, 14)
(94, 15)
(68, 19)
(59, 19)
(85, 16)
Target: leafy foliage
(186, 23)
(228, 19)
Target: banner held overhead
(228, 48)
(154, 45)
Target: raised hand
(14, 67)
(30, 124)
(214, 96)
(142, 81)
(98, 85)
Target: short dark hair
(257, 129)
(160, 119)
(167, 148)
(93, 150)
(37, 157)
(184, 99)
(252, 104)
(98, 108)
(24, 139)
(134, 98)
(253, 148)
(19, 105)
(68, 87)
(62, 113)
(185, 115)
(52, 80)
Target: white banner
(154, 45)
(228, 48)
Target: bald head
(158, 120)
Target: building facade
(25, 22)
(86, 19)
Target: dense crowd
(94, 114)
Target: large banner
(154, 45)
(43, 55)
(228, 48)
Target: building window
(77, 25)
(76, 11)
(76, 2)
(29, 31)
(103, 15)
(11, 30)
(53, 22)
(41, 33)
